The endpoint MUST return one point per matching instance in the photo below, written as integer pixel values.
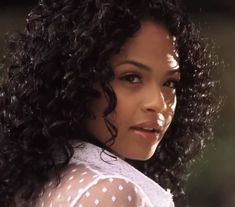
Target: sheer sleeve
(82, 187)
(112, 192)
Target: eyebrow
(145, 67)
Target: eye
(172, 84)
(132, 78)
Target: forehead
(152, 41)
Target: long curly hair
(45, 99)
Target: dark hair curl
(66, 48)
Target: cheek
(171, 105)
(127, 103)
(123, 109)
(170, 98)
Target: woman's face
(146, 72)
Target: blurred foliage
(212, 183)
(213, 178)
(210, 5)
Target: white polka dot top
(90, 181)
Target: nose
(155, 102)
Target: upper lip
(149, 124)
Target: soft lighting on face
(172, 62)
(173, 104)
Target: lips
(149, 130)
(156, 126)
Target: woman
(93, 86)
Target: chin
(139, 156)
(144, 158)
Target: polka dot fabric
(81, 186)
(90, 181)
(110, 192)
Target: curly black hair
(45, 99)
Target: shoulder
(73, 180)
(111, 191)
(82, 186)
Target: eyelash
(132, 75)
(128, 77)
(175, 84)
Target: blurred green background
(212, 182)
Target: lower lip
(151, 137)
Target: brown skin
(145, 74)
